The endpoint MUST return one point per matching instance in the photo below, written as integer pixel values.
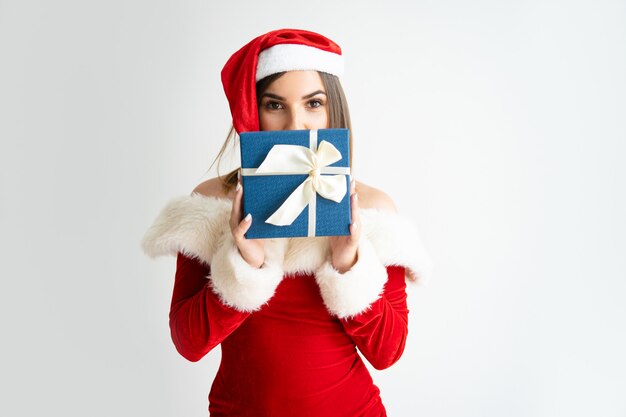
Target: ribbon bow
(295, 159)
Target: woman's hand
(344, 248)
(252, 250)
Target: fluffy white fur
(240, 285)
(191, 225)
(291, 57)
(197, 225)
(348, 294)
(397, 241)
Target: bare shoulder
(211, 188)
(371, 197)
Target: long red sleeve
(199, 321)
(380, 332)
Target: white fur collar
(193, 225)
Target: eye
(273, 105)
(315, 103)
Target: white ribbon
(295, 159)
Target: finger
(243, 226)
(355, 208)
(235, 214)
(355, 227)
(353, 203)
(354, 234)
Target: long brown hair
(338, 117)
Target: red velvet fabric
(292, 357)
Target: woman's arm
(205, 311)
(199, 320)
(368, 297)
(380, 332)
(370, 301)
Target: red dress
(290, 345)
(290, 358)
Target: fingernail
(248, 217)
(238, 186)
(355, 225)
(356, 197)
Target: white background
(498, 126)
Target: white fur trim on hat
(293, 57)
(348, 294)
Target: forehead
(296, 83)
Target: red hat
(276, 51)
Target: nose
(295, 121)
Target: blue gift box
(276, 167)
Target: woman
(289, 313)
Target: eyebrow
(277, 97)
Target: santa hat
(276, 51)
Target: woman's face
(295, 101)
